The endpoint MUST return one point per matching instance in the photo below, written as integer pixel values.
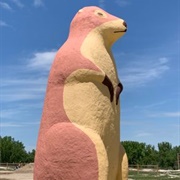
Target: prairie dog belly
(83, 104)
(88, 104)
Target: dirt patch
(17, 176)
(28, 168)
(23, 173)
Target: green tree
(142, 154)
(135, 151)
(151, 155)
(11, 150)
(30, 156)
(176, 151)
(165, 155)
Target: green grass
(154, 176)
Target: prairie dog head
(93, 18)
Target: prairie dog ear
(80, 11)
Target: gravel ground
(23, 173)
(17, 176)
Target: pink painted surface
(64, 151)
(67, 154)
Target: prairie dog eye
(100, 14)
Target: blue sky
(147, 58)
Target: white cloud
(18, 3)
(8, 113)
(175, 114)
(10, 124)
(20, 124)
(102, 4)
(125, 122)
(154, 105)
(5, 6)
(122, 3)
(140, 73)
(38, 3)
(3, 24)
(17, 87)
(22, 89)
(172, 114)
(143, 134)
(22, 94)
(42, 60)
(19, 82)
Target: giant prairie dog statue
(79, 136)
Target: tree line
(165, 156)
(12, 151)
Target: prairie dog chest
(94, 50)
